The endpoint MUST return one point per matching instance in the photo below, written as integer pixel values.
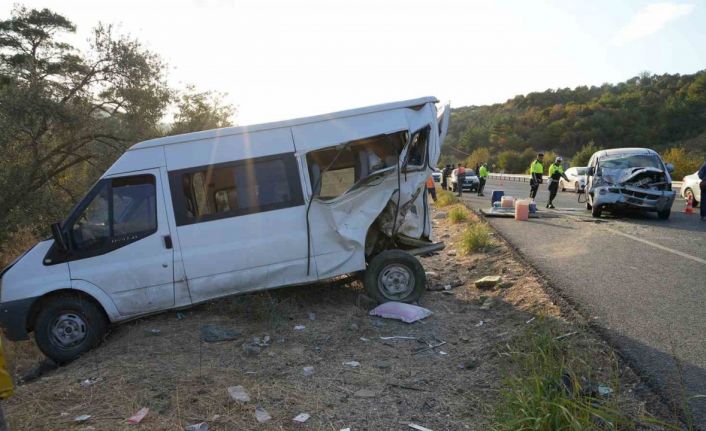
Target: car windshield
(470, 172)
(631, 161)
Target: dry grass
(445, 198)
(476, 237)
(458, 214)
(184, 381)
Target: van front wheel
(394, 275)
(67, 327)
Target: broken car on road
(185, 219)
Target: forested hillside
(655, 111)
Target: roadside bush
(476, 237)
(445, 198)
(458, 214)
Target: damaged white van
(184, 219)
(635, 178)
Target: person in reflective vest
(536, 172)
(431, 188)
(556, 171)
(460, 178)
(482, 177)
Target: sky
(284, 59)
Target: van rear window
(231, 189)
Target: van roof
(226, 131)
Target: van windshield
(631, 161)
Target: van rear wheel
(67, 327)
(395, 275)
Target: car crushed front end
(647, 189)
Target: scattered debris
(604, 391)
(418, 427)
(487, 282)
(251, 349)
(201, 426)
(568, 334)
(299, 327)
(301, 418)
(530, 321)
(365, 393)
(180, 315)
(351, 364)
(479, 324)
(82, 418)
(261, 415)
(312, 316)
(261, 342)
(378, 323)
(383, 365)
(89, 382)
(365, 340)
(308, 371)
(354, 326)
(238, 393)
(345, 429)
(429, 347)
(407, 313)
(440, 215)
(398, 337)
(488, 303)
(214, 333)
(451, 253)
(137, 417)
(153, 331)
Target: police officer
(536, 171)
(445, 176)
(482, 177)
(556, 171)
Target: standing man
(482, 176)
(431, 188)
(556, 171)
(702, 185)
(445, 177)
(460, 178)
(536, 171)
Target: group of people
(556, 172)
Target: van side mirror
(670, 168)
(58, 236)
(590, 171)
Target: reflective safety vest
(536, 167)
(430, 182)
(555, 170)
(483, 172)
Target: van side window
(238, 188)
(122, 210)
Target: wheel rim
(68, 330)
(396, 281)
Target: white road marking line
(661, 247)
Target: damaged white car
(635, 178)
(184, 219)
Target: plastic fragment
(299, 327)
(407, 313)
(261, 415)
(301, 418)
(418, 427)
(82, 418)
(201, 426)
(137, 417)
(352, 364)
(238, 393)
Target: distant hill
(655, 111)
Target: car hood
(622, 176)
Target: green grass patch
(458, 214)
(476, 237)
(445, 198)
(551, 384)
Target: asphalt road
(641, 279)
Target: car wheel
(68, 326)
(596, 211)
(664, 214)
(395, 275)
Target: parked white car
(185, 219)
(436, 175)
(690, 185)
(470, 183)
(634, 178)
(577, 179)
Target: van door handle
(167, 241)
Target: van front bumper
(633, 197)
(13, 318)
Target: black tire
(596, 211)
(664, 214)
(68, 315)
(391, 267)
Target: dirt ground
(183, 380)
